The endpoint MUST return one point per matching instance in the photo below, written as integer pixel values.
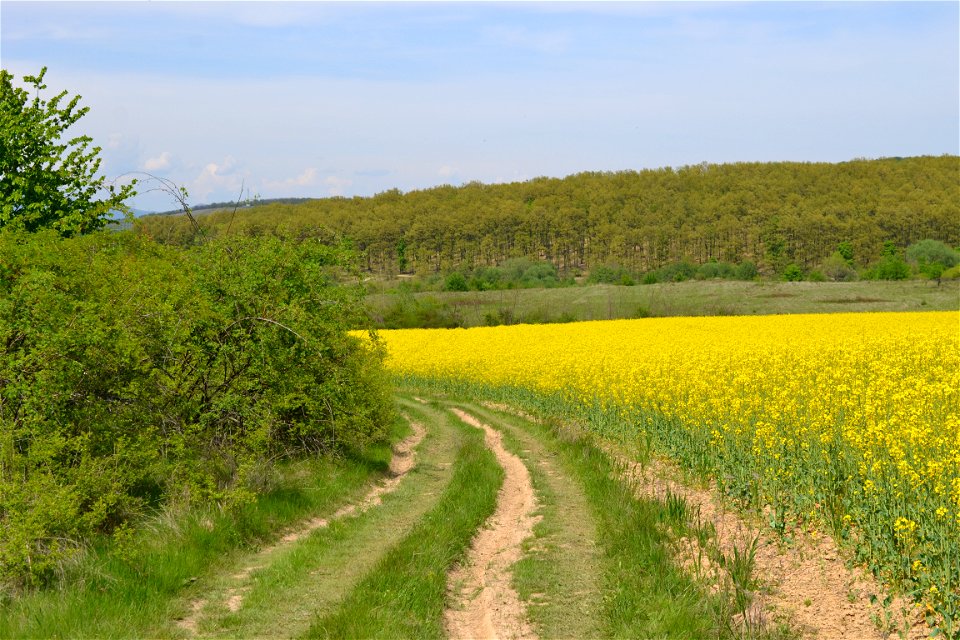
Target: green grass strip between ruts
(405, 594)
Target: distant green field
(690, 298)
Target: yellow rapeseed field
(854, 416)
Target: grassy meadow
(689, 298)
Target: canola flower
(852, 416)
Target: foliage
(771, 214)
(793, 273)
(409, 312)
(746, 270)
(837, 268)
(889, 267)
(677, 272)
(845, 250)
(456, 282)
(932, 257)
(610, 274)
(133, 374)
(44, 182)
(713, 270)
(132, 579)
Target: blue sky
(318, 99)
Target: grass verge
(295, 584)
(405, 594)
(133, 586)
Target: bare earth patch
(485, 603)
(401, 462)
(807, 583)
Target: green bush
(837, 268)
(932, 258)
(456, 281)
(133, 374)
(610, 274)
(746, 271)
(426, 313)
(793, 273)
(890, 267)
(676, 272)
(713, 270)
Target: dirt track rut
(401, 462)
(484, 603)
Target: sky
(317, 99)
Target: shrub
(837, 269)
(133, 373)
(888, 268)
(677, 272)
(456, 281)
(428, 313)
(610, 274)
(712, 270)
(793, 273)
(540, 274)
(746, 271)
(932, 258)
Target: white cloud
(446, 171)
(217, 178)
(336, 185)
(305, 179)
(160, 162)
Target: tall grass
(135, 585)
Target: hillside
(773, 214)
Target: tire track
(485, 605)
(401, 462)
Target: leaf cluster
(134, 375)
(46, 182)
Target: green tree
(845, 249)
(45, 182)
(456, 281)
(793, 273)
(932, 258)
(837, 268)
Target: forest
(774, 215)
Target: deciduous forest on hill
(773, 214)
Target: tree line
(771, 214)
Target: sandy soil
(485, 605)
(401, 462)
(807, 583)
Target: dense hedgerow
(134, 375)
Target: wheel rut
(401, 462)
(484, 603)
